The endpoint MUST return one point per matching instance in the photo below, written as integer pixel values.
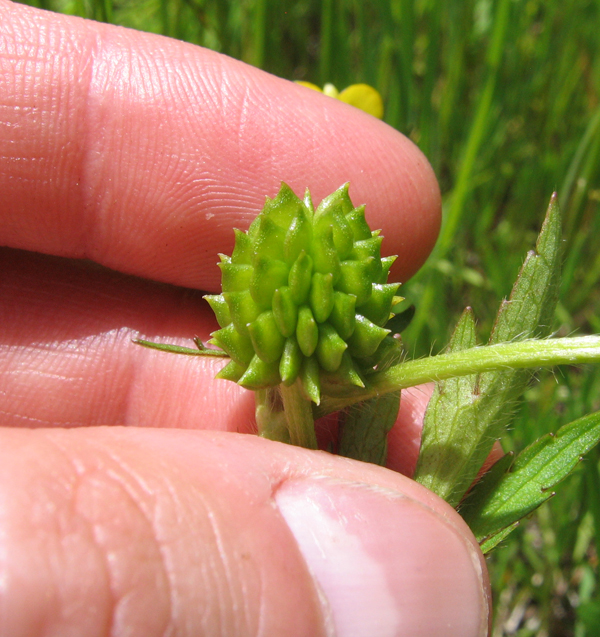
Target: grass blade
(454, 211)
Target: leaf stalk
(529, 353)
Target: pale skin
(133, 500)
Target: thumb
(152, 532)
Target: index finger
(141, 152)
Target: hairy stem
(530, 353)
(299, 414)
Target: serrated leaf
(530, 308)
(484, 411)
(502, 498)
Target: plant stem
(519, 354)
(299, 413)
(201, 350)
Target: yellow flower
(362, 96)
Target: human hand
(132, 504)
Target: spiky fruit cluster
(305, 293)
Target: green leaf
(527, 313)
(446, 445)
(492, 542)
(450, 467)
(364, 428)
(530, 309)
(502, 498)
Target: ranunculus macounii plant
(310, 323)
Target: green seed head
(305, 294)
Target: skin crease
(125, 161)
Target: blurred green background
(503, 98)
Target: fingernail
(385, 563)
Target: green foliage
(512, 490)
(466, 415)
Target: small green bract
(305, 294)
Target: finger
(67, 357)
(404, 440)
(148, 532)
(141, 153)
